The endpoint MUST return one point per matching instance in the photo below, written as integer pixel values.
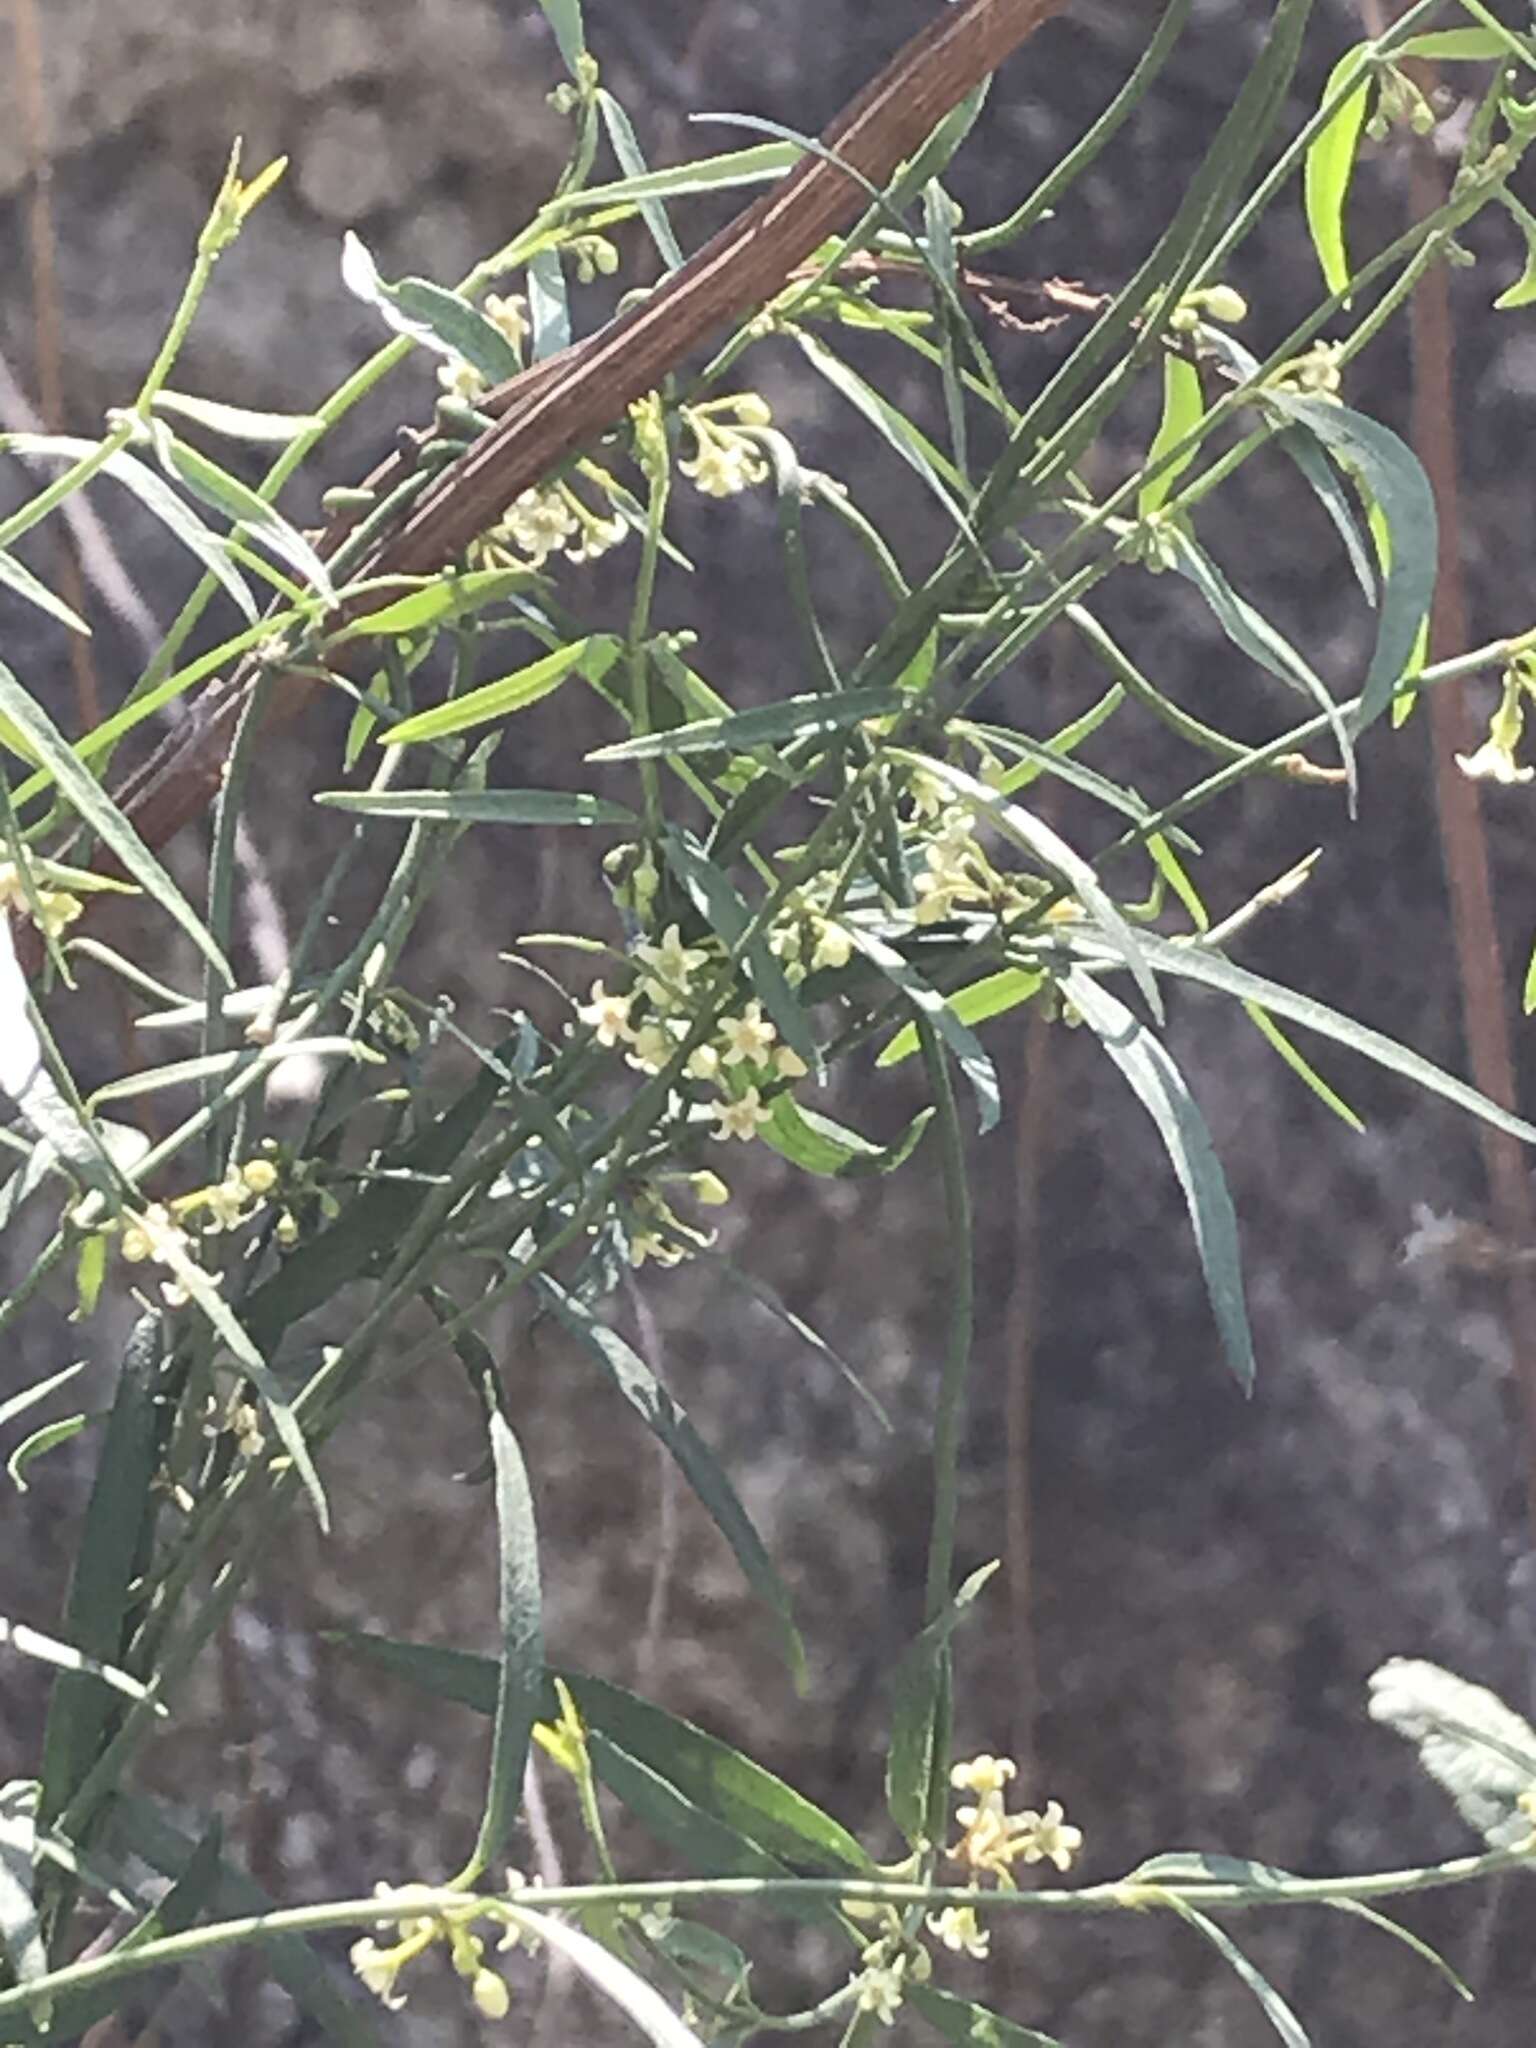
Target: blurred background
(1195, 1585)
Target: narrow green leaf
(708, 1844)
(760, 164)
(461, 330)
(235, 421)
(1160, 1088)
(816, 1144)
(1194, 963)
(444, 600)
(18, 577)
(1274, 2007)
(564, 17)
(1319, 473)
(1252, 633)
(157, 497)
(1330, 166)
(1523, 291)
(992, 996)
(893, 427)
(119, 1518)
(549, 304)
(965, 1048)
(968, 2025)
(238, 502)
(520, 1668)
(439, 319)
(1183, 410)
(1395, 479)
(791, 718)
(38, 1443)
(910, 1762)
(1302, 1067)
(626, 148)
(1459, 45)
(1046, 846)
(670, 1424)
(28, 1397)
(715, 897)
(87, 798)
(481, 806)
(507, 694)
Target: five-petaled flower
(741, 1118)
(670, 964)
(747, 1037)
(608, 1015)
(958, 1929)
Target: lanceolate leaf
(764, 725)
(816, 1144)
(480, 806)
(1183, 409)
(1331, 495)
(1195, 963)
(1250, 631)
(1330, 166)
(1395, 479)
(964, 1045)
(1161, 1090)
(18, 577)
(237, 501)
(439, 319)
(670, 1424)
(993, 996)
(156, 495)
(520, 1670)
(910, 1763)
(507, 694)
(967, 2025)
(1274, 2007)
(564, 17)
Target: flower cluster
(159, 1232)
(727, 456)
(739, 1059)
(549, 519)
(1319, 373)
(888, 1967)
(993, 1839)
(380, 1967)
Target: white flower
(957, 1928)
(881, 1988)
(834, 948)
(741, 1118)
(1047, 1835)
(509, 316)
(727, 460)
(378, 1969)
(747, 1037)
(1493, 762)
(607, 1015)
(537, 522)
(788, 1065)
(669, 964)
(652, 1046)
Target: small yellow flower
(650, 1049)
(259, 1175)
(669, 964)
(1493, 762)
(608, 1016)
(881, 1986)
(984, 1775)
(788, 1065)
(509, 316)
(491, 1995)
(1046, 1836)
(833, 946)
(378, 1969)
(747, 1037)
(703, 1063)
(741, 1118)
(957, 1928)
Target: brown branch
(566, 402)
